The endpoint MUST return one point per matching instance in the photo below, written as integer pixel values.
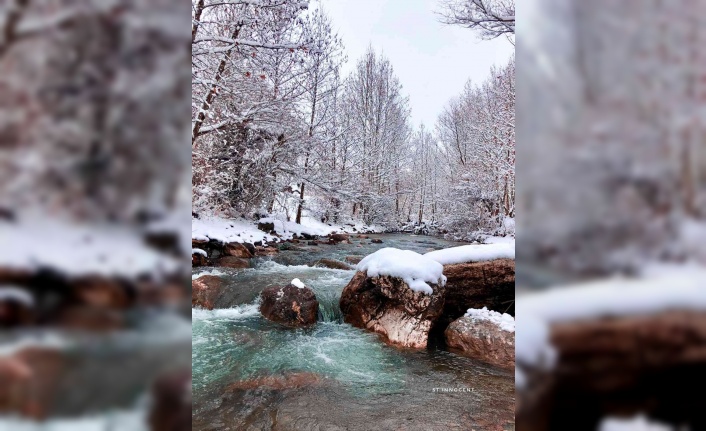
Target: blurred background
(95, 180)
(611, 225)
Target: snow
(199, 251)
(80, 250)
(225, 231)
(637, 423)
(416, 270)
(312, 226)
(12, 293)
(473, 253)
(503, 320)
(297, 283)
(605, 298)
(242, 230)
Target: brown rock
(171, 406)
(286, 381)
(354, 260)
(482, 340)
(155, 294)
(198, 259)
(610, 366)
(290, 306)
(266, 251)
(339, 237)
(205, 290)
(238, 250)
(15, 312)
(330, 263)
(376, 241)
(480, 284)
(361, 236)
(91, 319)
(266, 227)
(29, 381)
(232, 262)
(198, 243)
(387, 306)
(101, 293)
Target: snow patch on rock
(473, 253)
(298, 284)
(12, 293)
(503, 320)
(413, 268)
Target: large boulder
(483, 340)
(386, 305)
(488, 284)
(293, 305)
(619, 365)
(205, 291)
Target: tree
(492, 18)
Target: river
(348, 379)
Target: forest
(277, 129)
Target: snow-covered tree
(492, 18)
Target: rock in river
(331, 263)
(387, 306)
(293, 305)
(483, 340)
(205, 291)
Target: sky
(433, 61)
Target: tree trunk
(206, 105)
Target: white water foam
(238, 312)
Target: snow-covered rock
(473, 253)
(484, 337)
(386, 305)
(415, 270)
(503, 320)
(625, 344)
(402, 295)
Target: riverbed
(336, 377)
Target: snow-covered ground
(473, 253)
(80, 250)
(605, 298)
(415, 269)
(313, 226)
(241, 230)
(503, 320)
(223, 230)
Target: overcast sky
(432, 61)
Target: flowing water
(339, 377)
